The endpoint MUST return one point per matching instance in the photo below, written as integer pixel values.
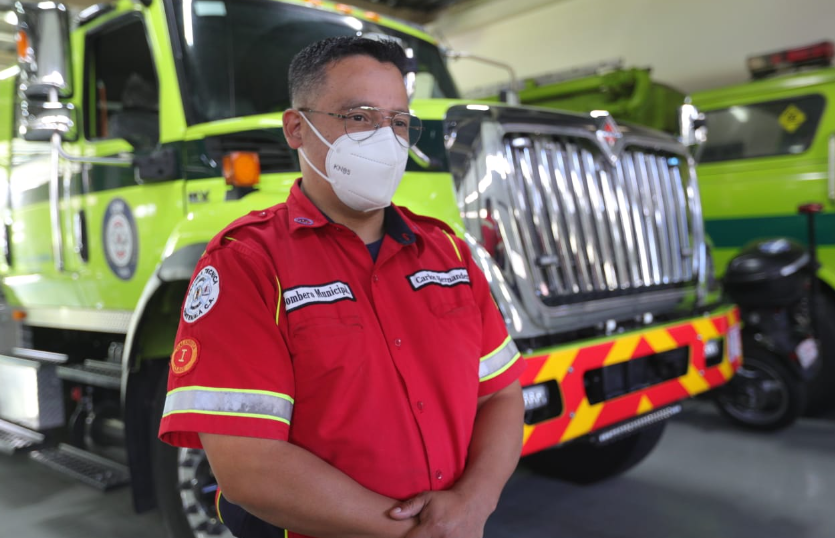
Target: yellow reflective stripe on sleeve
(217, 507)
(226, 414)
(259, 404)
(495, 351)
(243, 391)
(278, 304)
(230, 238)
(503, 369)
(498, 361)
(457, 252)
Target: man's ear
(292, 122)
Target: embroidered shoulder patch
(450, 278)
(202, 295)
(185, 356)
(301, 296)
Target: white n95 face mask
(364, 174)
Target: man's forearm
(494, 448)
(291, 488)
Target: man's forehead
(364, 81)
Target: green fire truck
(629, 94)
(771, 148)
(132, 135)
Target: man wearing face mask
(340, 359)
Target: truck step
(14, 438)
(38, 355)
(102, 374)
(93, 470)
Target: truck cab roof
(782, 85)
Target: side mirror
(40, 120)
(44, 49)
(692, 125)
(511, 94)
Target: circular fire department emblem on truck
(121, 245)
(202, 295)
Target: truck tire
(821, 389)
(583, 462)
(184, 485)
(764, 394)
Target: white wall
(691, 44)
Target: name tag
(301, 296)
(450, 278)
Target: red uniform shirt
(291, 331)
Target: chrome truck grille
(589, 226)
(576, 226)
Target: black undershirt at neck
(374, 248)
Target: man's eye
(359, 118)
(400, 124)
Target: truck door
(121, 229)
(761, 161)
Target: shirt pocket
(327, 348)
(458, 325)
(460, 309)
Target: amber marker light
(373, 16)
(314, 3)
(344, 8)
(22, 39)
(242, 169)
(18, 315)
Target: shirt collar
(302, 212)
(399, 227)
(304, 215)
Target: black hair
(307, 70)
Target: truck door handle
(831, 183)
(80, 225)
(55, 205)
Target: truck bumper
(606, 381)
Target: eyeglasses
(363, 121)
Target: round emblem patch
(202, 295)
(121, 244)
(185, 356)
(304, 220)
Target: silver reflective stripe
(230, 402)
(498, 361)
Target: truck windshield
(771, 128)
(235, 54)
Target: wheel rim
(757, 395)
(197, 486)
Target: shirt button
(375, 278)
(420, 406)
(439, 475)
(397, 342)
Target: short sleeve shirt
(291, 331)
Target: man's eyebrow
(353, 104)
(357, 104)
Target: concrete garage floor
(705, 480)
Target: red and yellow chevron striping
(568, 365)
